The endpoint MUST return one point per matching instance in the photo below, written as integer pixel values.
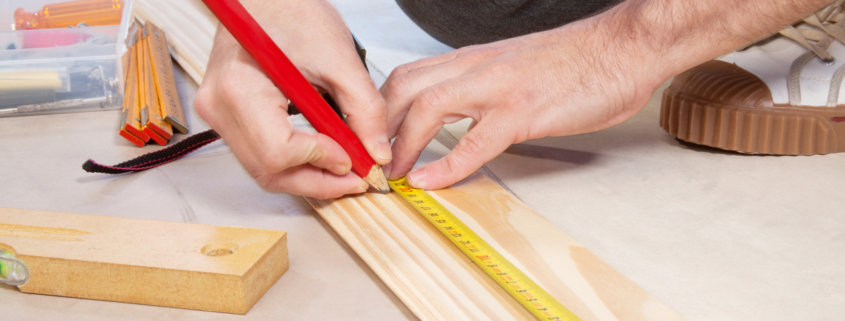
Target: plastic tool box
(62, 56)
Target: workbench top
(714, 235)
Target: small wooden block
(191, 266)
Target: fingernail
(362, 187)
(386, 169)
(338, 169)
(383, 149)
(417, 178)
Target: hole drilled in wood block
(190, 266)
(219, 249)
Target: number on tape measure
(514, 281)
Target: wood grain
(437, 282)
(192, 266)
(190, 28)
(432, 277)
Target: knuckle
(451, 164)
(310, 153)
(266, 91)
(500, 69)
(393, 74)
(433, 98)
(469, 146)
(509, 69)
(376, 105)
(314, 155)
(403, 69)
(363, 117)
(397, 86)
(266, 183)
(272, 162)
(203, 103)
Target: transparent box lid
(57, 56)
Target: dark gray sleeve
(459, 23)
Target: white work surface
(714, 235)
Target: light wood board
(191, 266)
(430, 275)
(190, 29)
(437, 282)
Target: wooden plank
(437, 282)
(191, 266)
(430, 275)
(190, 28)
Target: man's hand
(579, 78)
(560, 82)
(250, 113)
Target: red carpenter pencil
(295, 87)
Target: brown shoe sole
(753, 128)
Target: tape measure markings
(515, 282)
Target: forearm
(671, 36)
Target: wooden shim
(437, 282)
(141, 261)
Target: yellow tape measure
(516, 283)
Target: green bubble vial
(12, 270)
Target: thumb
(317, 149)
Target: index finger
(352, 87)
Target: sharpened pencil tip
(377, 180)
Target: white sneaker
(783, 95)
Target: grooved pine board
(429, 274)
(191, 266)
(438, 282)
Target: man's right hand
(250, 113)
